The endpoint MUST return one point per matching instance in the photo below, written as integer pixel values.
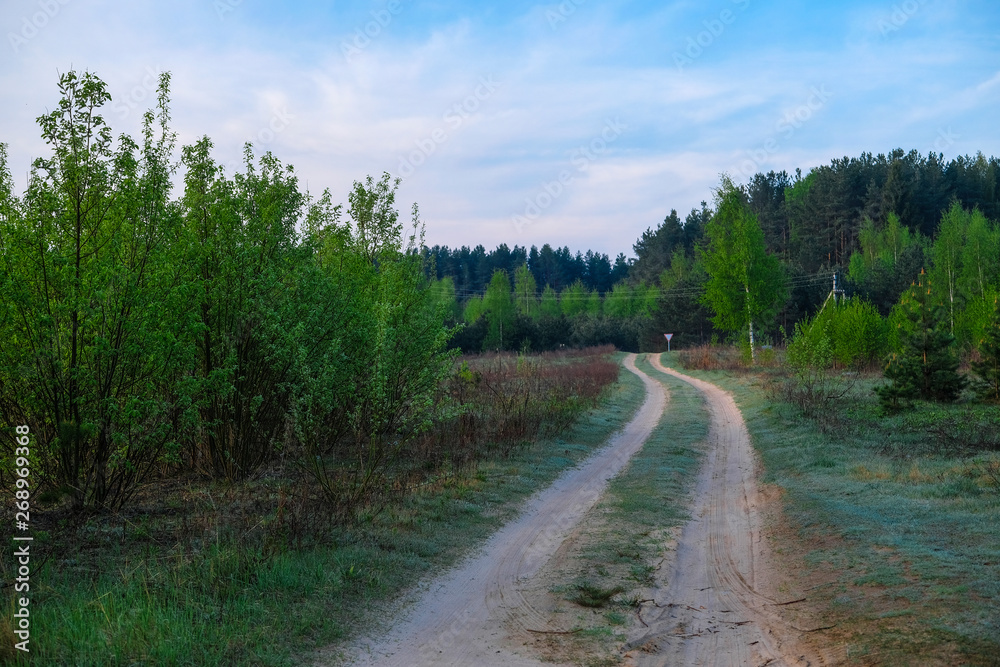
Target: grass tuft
(592, 595)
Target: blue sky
(579, 123)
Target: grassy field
(895, 518)
(112, 603)
(613, 560)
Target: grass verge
(231, 605)
(901, 538)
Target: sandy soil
(719, 604)
(718, 599)
(473, 614)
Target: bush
(849, 334)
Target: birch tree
(745, 284)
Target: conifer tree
(926, 365)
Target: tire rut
(711, 610)
(467, 616)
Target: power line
(646, 292)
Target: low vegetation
(612, 563)
(198, 571)
(894, 517)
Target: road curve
(463, 616)
(711, 609)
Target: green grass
(628, 530)
(227, 606)
(896, 513)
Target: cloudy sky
(580, 123)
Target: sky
(579, 123)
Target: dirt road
(714, 606)
(464, 617)
(718, 605)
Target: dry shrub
(712, 358)
(488, 407)
(500, 401)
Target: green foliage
(549, 303)
(93, 314)
(880, 248)
(849, 333)
(473, 309)
(988, 366)
(925, 366)
(443, 292)
(573, 299)
(499, 310)
(980, 259)
(145, 334)
(525, 289)
(243, 257)
(621, 301)
(593, 304)
(745, 284)
(946, 255)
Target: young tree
(473, 309)
(444, 295)
(988, 367)
(620, 302)
(92, 312)
(524, 292)
(745, 284)
(573, 299)
(245, 257)
(593, 303)
(926, 365)
(498, 309)
(980, 259)
(947, 256)
(549, 304)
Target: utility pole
(837, 293)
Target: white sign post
(668, 337)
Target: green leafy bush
(848, 334)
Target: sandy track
(464, 616)
(711, 609)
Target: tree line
(215, 330)
(874, 221)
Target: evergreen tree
(925, 366)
